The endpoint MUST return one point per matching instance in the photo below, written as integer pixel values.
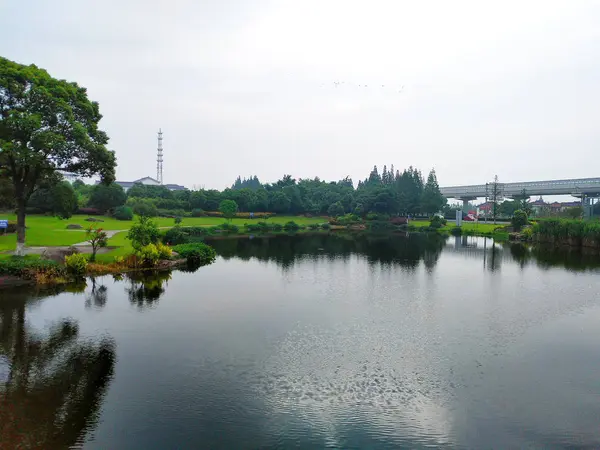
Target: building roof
(175, 187)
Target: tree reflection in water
(387, 250)
(146, 288)
(51, 384)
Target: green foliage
(229, 228)
(148, 255)
(198, 213)
(47, 124)
(325, 226)
(164, 251)
(335, 209)
(177, 220)
(107, 197)
(432, 201)
(97, 239)
(313, 226)
(175, 236)
(143, 206)
(143, 232)
(196, 253)
(574, 232)
(27, 267)
(519, 219)
(574, 212)
(437, 222)
(76, 264)
(291, 226)
(123, 213)
(527, 233)
(56, 198)
(228, 208)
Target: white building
(148, 181)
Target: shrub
(527, 233)
(519, 219)
(196, 253)
(325, 226)
(27, 267)
(313, 226)
(76, 264)
(347, 219)
(164, 251)
(198, 213)
(175, 236)
(376, 216)
(145, 209)
(178, 220)
(143, 232)
(123, 213)
(148, 255)
(229, 228)
(437, 222)
(291, 226)
(12, 227)
(276, 227)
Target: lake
(312, 342)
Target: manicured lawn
(51, 231)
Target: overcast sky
(247, 87)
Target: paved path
(84, 247)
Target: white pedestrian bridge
(577, 187)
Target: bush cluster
(27, 267)
(123, 213)
(196, 253)
(76, 264)
(437, 222)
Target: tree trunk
(20, 251)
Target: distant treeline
(386, 192)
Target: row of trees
(393, 194)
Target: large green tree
(229, 208)
(432, 200)
(46, 125)
(107, 196)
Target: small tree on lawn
(143, 232)
(97, 239)
(229, 208)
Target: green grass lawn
(49, 231)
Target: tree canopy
(47, 125)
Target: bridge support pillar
(465, 201)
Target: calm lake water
(313, 342)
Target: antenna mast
(159, 158)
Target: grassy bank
(47, 231)
(575, 233)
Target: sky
(328, 88)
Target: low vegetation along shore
(62, 251)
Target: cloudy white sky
(247, 87)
